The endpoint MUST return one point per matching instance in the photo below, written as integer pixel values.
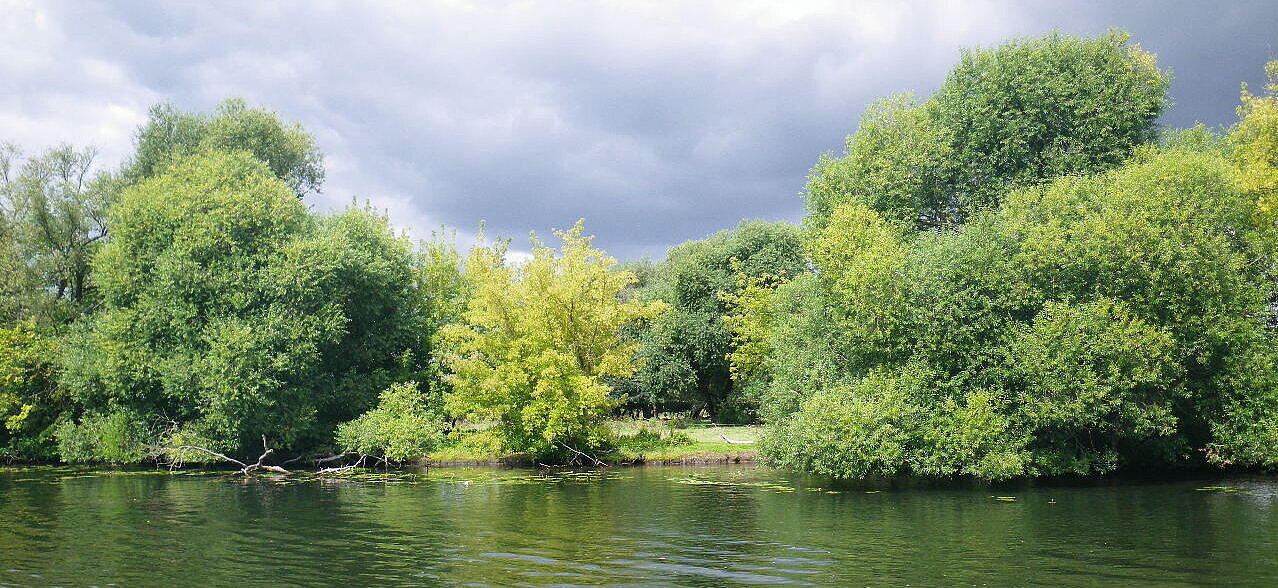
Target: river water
(694, 526)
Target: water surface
(696, 526)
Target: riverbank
(639, 442)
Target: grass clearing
(638, 441)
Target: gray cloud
(656, 122)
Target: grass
(639, 441)
(660, 441)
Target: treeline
(1019, 275)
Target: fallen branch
(245, 468)
(339, 457)
(358, 464)
(583, 454)
(202, 450)
(725, 438)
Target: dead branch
(583, 454)
(725, 438)
(358, 464)
(339, 457)
(178, 462)
(245, 468)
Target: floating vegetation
(1004, 498)
(762, 485)
(773, 486)
(1222, 489)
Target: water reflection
(684, 526)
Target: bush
(402, 427)
(30, 400)
(117, 437)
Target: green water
(642, 526)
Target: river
(694, 526)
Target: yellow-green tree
(536, 341)
(1255, 142)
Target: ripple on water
(642, 526)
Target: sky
(656, 121)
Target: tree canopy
(683, 354)
(171, 134)
(1014, 115)
(1086, 324)
(537, 342)
(232, 312)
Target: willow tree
(52, 221)
(537, 341)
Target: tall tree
(229, 312)
(538, 341)
(1014, 115)
(54, 209)
(171, 134)
(1086, 325)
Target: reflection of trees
(636, 525)
(156, 529)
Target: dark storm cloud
(656, 122)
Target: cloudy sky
(656, 121)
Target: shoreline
(743, 458)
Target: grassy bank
(638, 441)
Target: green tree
(229, 312)
(683, 355)
(171, 134)
(1255, 147)
(538, 341)
(404, 425)
(1034, 109)
(1018, 114)
(30, 399)
(54, 219)
(1087, 324)
(898, 163)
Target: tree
(30, 399)
(1255, 147)
(1031, 110)
(684, 353)
(230, 312)
(55, 219)
(171, 134)
(403, 426)
(897, 163)
(1015, 115)
(53, 206)
(1088, 324)
(537, 341)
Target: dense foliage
(405, 425)
(537, 342)
(170, 134)
(1090, 323)
(30, 399)
(229, 311)
(1019, 275)
(1017, 114)
(683, 354)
